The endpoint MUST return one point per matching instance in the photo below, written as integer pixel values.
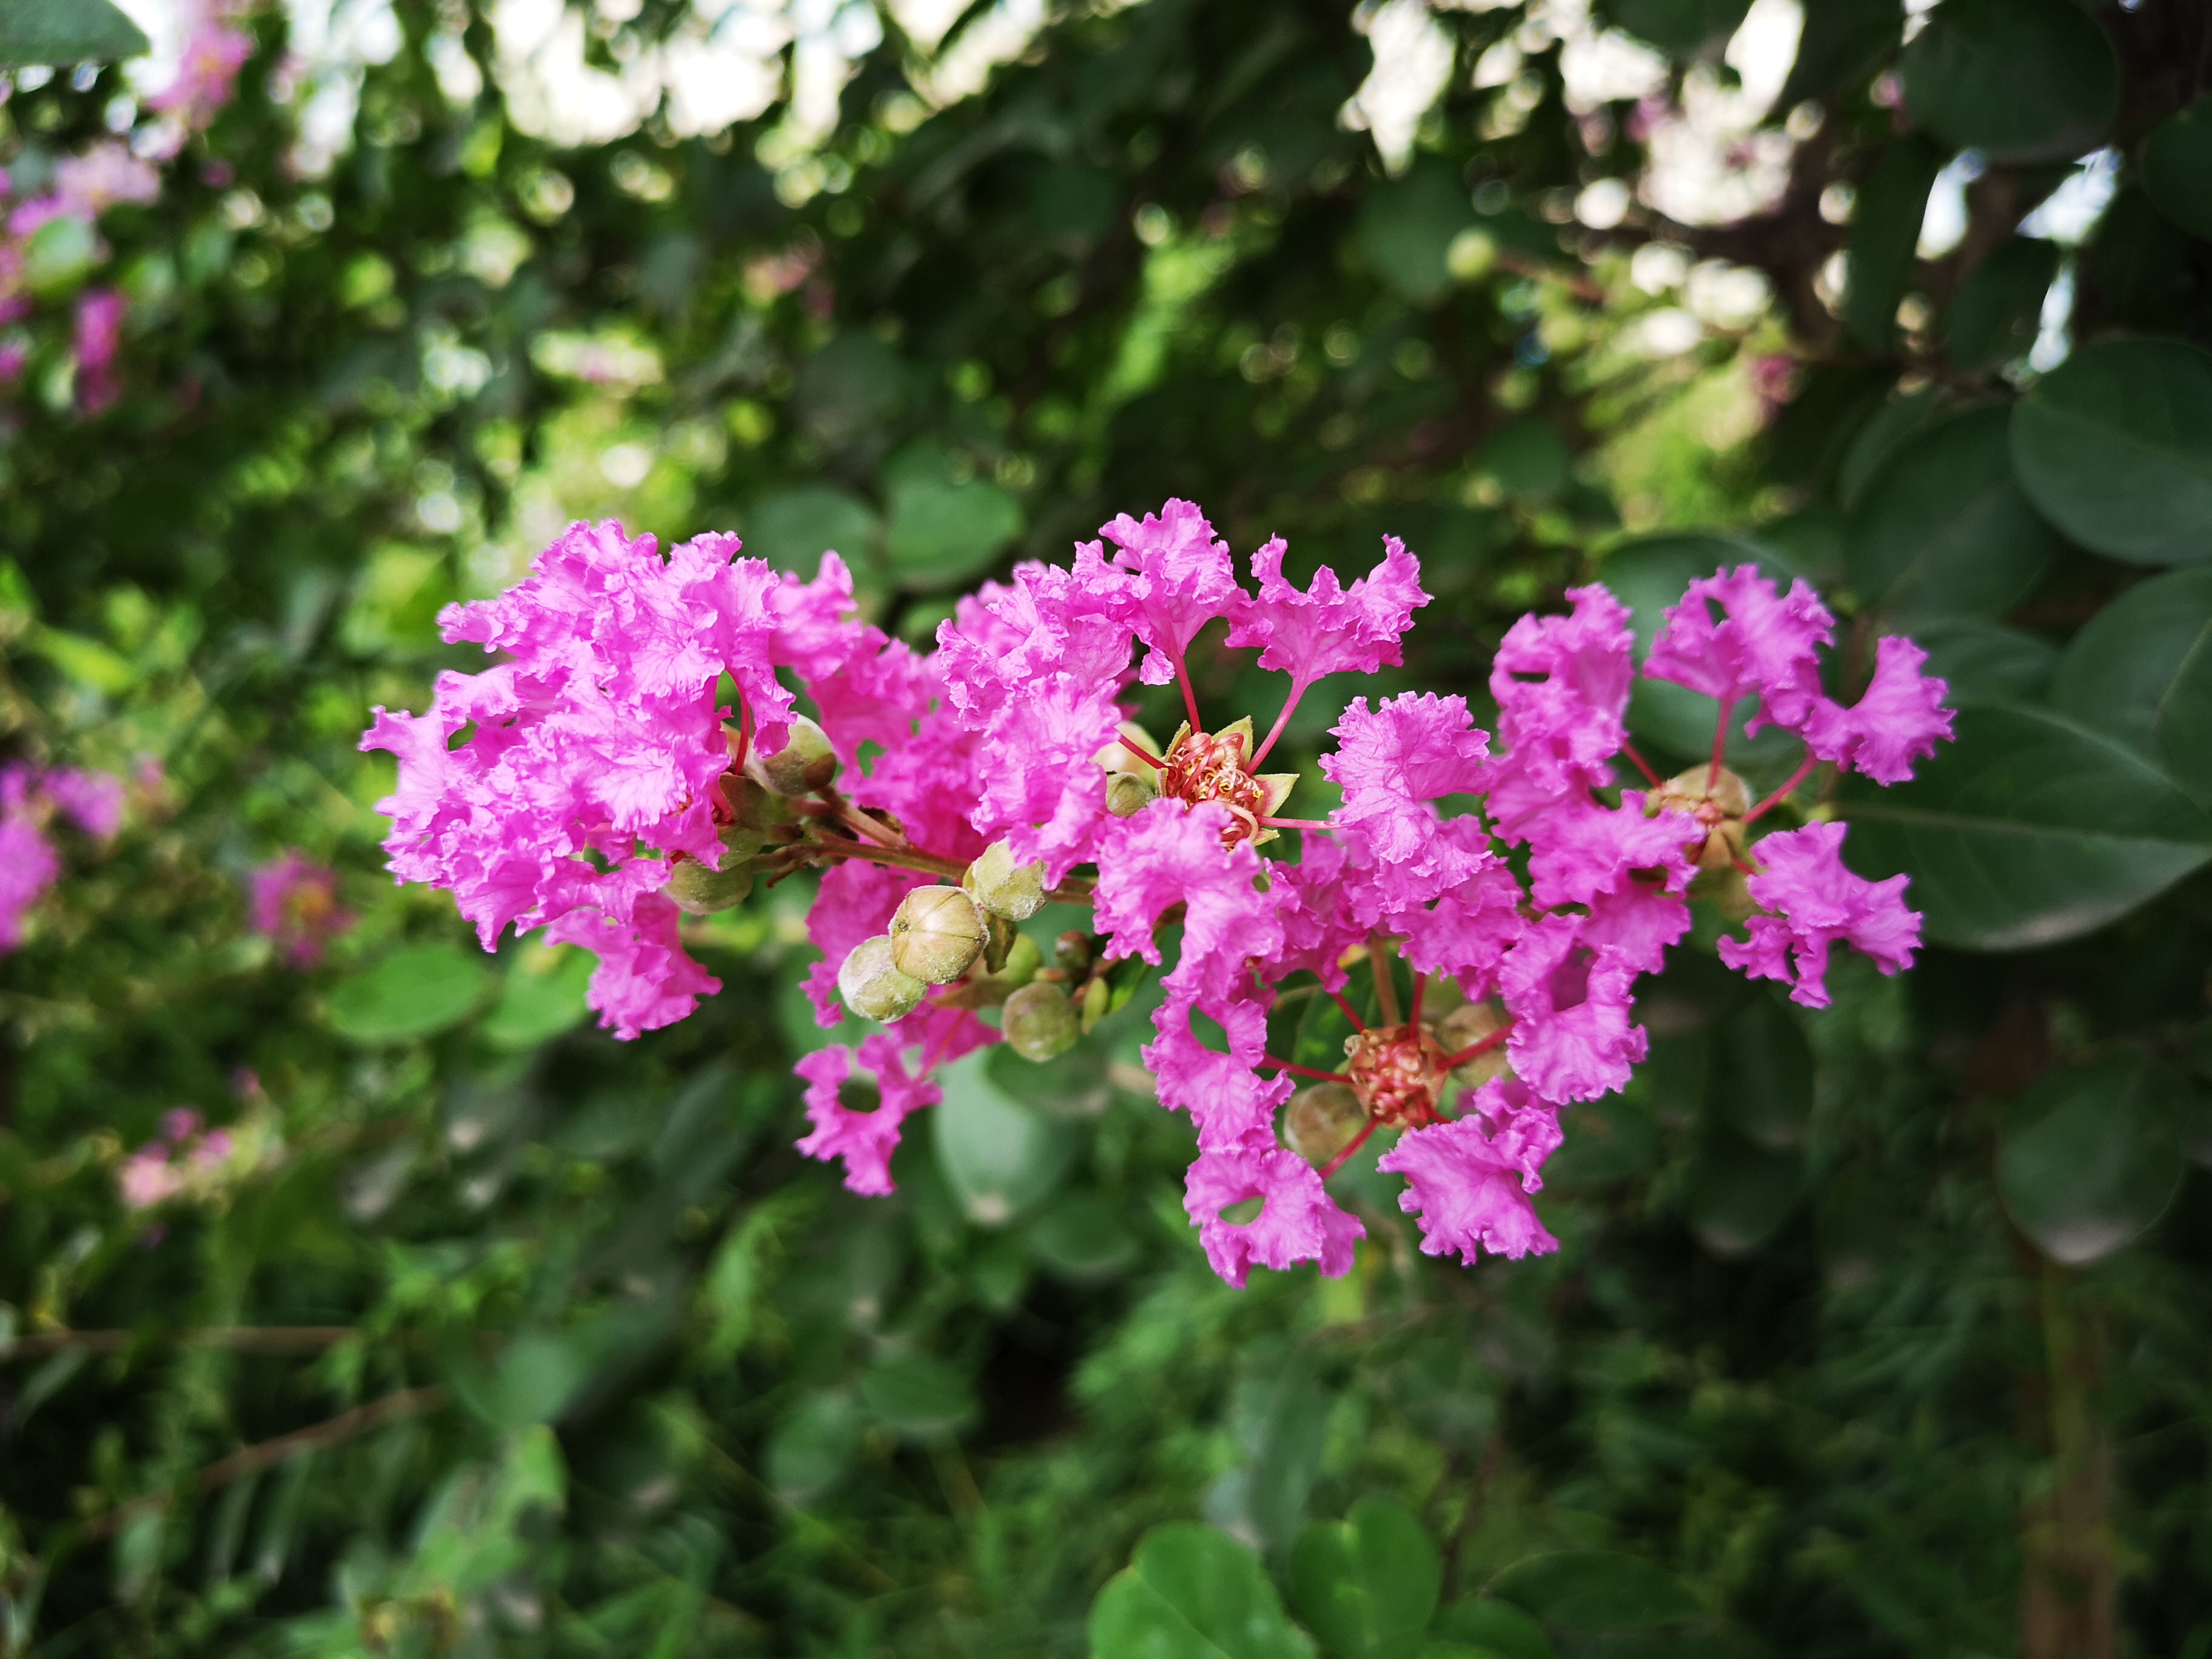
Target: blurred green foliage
(1879, 1332)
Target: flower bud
(991, 989)
(1115, 756)
(701, 891)
(936, 934)
(873, 986)
(804, 764)
(1038, 1023)
(1320, 1120)
(754, 814)
(1128, 794)
(1004, 887)
(1070, 952)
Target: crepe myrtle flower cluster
(639, 755)
(32, 800)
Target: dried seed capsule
(936, 934)
(873, 986)
(1038, 1023)
(1320, 1120)
(1004, 887)
(701, 891)
(804, 764)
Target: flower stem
(1350, 1013)
(1386, 980)
(1189, 697)
(1297, 690)
(1804, 772)
(1413, 1013)
(1481, 1047)
(1350, 1147)
(1305, 1070)
(1151, 760)
(1720, 743)
(1298, 823)
(1642, 765)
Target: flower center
(1215, 766)
(1396, 1072)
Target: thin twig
(233, 1339)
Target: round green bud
(1004, 887)
(1320, 1120)
(1466, 1025)
(699, 891)
(1128, 794)
(873, 986)
(936, 934)
(1038, 1022)
(755, 814)
(804, 764)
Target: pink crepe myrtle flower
(294, 900)
(99, 331)
(1511, 870)
(1816, 902)
(214, 50)
(31, 799)
(183, 1157)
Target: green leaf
(2027, 829)
(792, 529)
(811, 1449)
(60, 255)
(1192, 1593)
(1498, 1626)
(1740, 1194)
(541, 996)
(1595, 1590)
(943, 530)
(2137, 263)
(1680, 29)
(2140, 672)
(2115, 446)
(1082, 1238)
(2091, 1156)
(1982, 662)
(538, 1375)
(1406, 226)
(2177, 168)
(1841, 42)
(1366, 1585)
(1526, 459)
(1943, 531)
(2019, 79)
(1072, 1085)
(1885, 227)
(67, 32)
(918, 1396)
(1000, 1157)
(1999, 307)
(1763, 1081)
(416, 992)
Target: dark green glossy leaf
(2177, 168)
(1082, 1238)
(1841, 42)
(1366, 1585)
(539, 1000)
(1885, 226)
(67, 32)
(416, 992)
(917, 1396)
(810, 1450)
(1525, 458)
(2115, 446)
(944, 528)
(1680, 29)
(2137, 265)
(1943, 531)
(2140, 672)
(1075, 1085)
(1406, 227)
(1982, 662)
(1994, 318)
(1192, 1593)
(1763, 1082)
(999, 1156)
(1498, 1626)
(1740, 1194)
(2091, 1156)
(2027, 829)
(792, 529)
(1595, 1590)
(2019, 80)
(1895, 421)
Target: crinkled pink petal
(1171, 854)
(1636, 925)
(1229, 1102)
(28, 867)
(1468, 1181)
(1764, 644)
(1579, 849)
(854, 902)
(864, 1140)
(1572, 1038)
(1392, 763)
(1298, 1221)
(1466, 932)
(644, 979)
(1329, 628)
(1817, 901)
(1182, 579)
(1899, 719)
(1561, 684)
